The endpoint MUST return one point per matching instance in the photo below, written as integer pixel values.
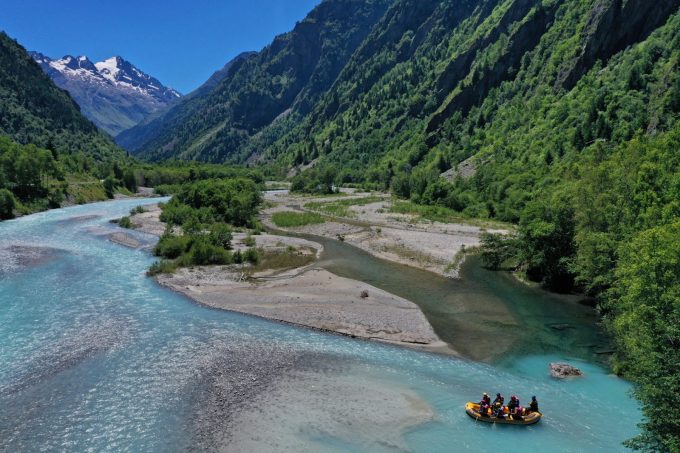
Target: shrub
(171, 247)
(7, 204)
(162, 267)
(252, 256)
(496, 249)
(220, 236)
(203, 253)
(125, 222)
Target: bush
(233, 201)
(496, 249)
(162, 267)
(7, 204)
(220, 236)
(203, 253)
(251, 255)
(315, 181)
(110, 186)
(125, 222)
(248, 241)
(172, 247)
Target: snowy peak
(114, 71)
(113, 93)
(122, 72)
(110, 68)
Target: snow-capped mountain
(113, 93)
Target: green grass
(283, 260)
(289, 219)
(341, 208)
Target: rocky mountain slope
(288, 76)
(113, 93)
(179, 112)
(34, 110)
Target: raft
(472, 409)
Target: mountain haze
(113, 93)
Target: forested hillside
(160, 123)
(49, 152)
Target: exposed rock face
(481, 80)
(612, 26)
(564, 370)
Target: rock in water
(564, 370)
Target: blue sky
(181, 42)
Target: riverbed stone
(564, 370)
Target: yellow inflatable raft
(472, 409)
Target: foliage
(291, 219)
(7, 204)
(249, 241)
(319, 181)
(233, 201)
(645, 304)
(220, 236)
(206, 211)
(125, 222)
(496, 249)
(162, 267)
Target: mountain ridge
(287, 75)
(35, 111)
(113, 93)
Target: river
(96, 357)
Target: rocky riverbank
(306, 296)
(366, 220)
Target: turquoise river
(94, 356)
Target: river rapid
(94, 356)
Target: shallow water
(96, 357)
(484, 315)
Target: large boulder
(564, 370)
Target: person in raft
(484, 404)
(497, 407)
(533, 405)
(498, 402)
(514, 408)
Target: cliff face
(530, 21)
(612, 26)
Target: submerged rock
(564, 370)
